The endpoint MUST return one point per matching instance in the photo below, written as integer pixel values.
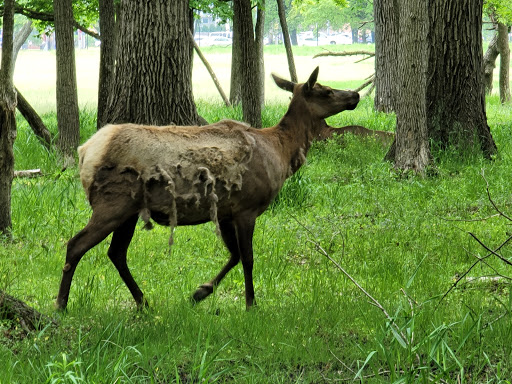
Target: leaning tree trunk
(411, 150)
(386, 26)
(504, 49)
(287, 42)
(68, 122)
(455, 92)
(107, 56)
(34, 120)
(251, 91)
(490, 62)
(7, 118)
(153, 74)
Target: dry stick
(365, 84)
(372, 299)
(210, 70)
(344, 53)
(490, 250)
(490, 199)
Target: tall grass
(404, 239)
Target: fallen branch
(345, 53)
(28, 173)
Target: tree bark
(455, 93)
(107, 56)
(490, 62)
(504, 49)
(259, 31)
(386, 43)
(411, 150)
(235, 87)
(287, 42)
(7, 118)
(153, 73)
(68, 122)
(20, 38)
(250, 65)
(17, 311)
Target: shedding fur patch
(185, 171)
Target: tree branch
(345, 53)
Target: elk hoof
(202, 292)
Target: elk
(226, 172)
(384, 137)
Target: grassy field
(405, 240)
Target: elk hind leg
(96, 230)
(117, 253)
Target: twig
(28, 173)
(365, 84)
(490, 250)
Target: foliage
(319, 14)
(502, 9)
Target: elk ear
(283, 84)
(312, 80)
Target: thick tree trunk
(386, 18)
(490, 62)
(287, 43)
(7, 118)
(411, 150)
(455, 88)
(34, 120)
(107, 56)
(504, 49)
(250, 66)
(153, 75)
(68, 122)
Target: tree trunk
(287, 43)
(235, 87)
(153, 74)
(293, 36)
(259, 32)
(490, 62)
(386, 43)
(504, 49)
(7, 118)
(34, 120)
(455, 88)
(250, 67)
(440, 96)
(20, 38)
(68, 122)
(411, 150)
(107, 56)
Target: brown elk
(384, 137)
(226, 172)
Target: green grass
(404, 239)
